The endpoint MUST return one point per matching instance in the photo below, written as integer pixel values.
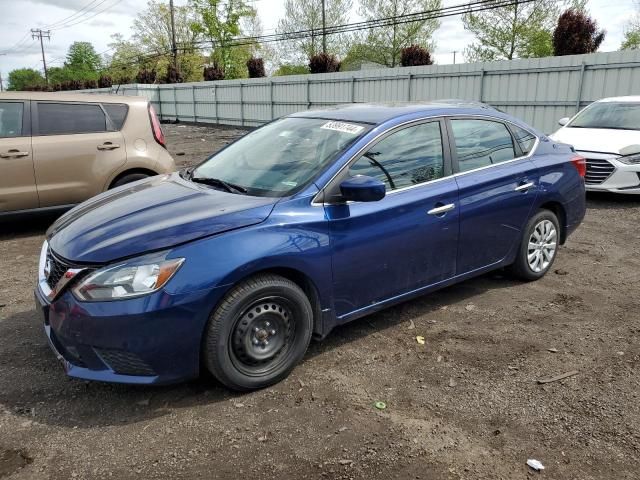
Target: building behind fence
(539, 91)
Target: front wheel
(258, 333)
(538, 247)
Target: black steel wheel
(258, 333)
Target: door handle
(13, 153)
(441, 209)
(524, 187)
(108, 146)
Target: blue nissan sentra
(309, 222)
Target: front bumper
(153, 339)
(621, 178)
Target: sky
(102, 18)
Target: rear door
(497, 185)
(75, 150)
(407, 240)
(17, 179)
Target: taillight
(158, 134)
(581, 165)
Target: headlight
(129, 279)
(630, 159)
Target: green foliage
(220, 23)
(83, 63)
(307, 15)
(21, 78)
(384, 45)
(521, 30)
(632, 31)
(289, 69)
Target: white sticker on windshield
(343, 127)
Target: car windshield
(613, 115)
(279, 158)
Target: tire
(258, 333)
(132, 177)
(544, 226)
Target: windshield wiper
(216, 182)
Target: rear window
(70, 118)
(117, 113)
(526, 139)
(10, 119)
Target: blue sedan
(309, 222)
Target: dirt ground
(465, 405)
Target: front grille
(57, 269)
(125, 363)
(598, 171)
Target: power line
(90, 17)
(70, 17)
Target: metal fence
(539, 91)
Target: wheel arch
(558, 210)
(130, 171)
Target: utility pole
(37, 33)
(174, 47)
(454, 56)
(324, 29)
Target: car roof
(627, 99)
(377, 113)
(71, 97)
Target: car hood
(152, 214)
(596, 139)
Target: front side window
(407, 157)
(11, 119)
(612, 115)
(281, 157)
(70, 118)
(480, 143)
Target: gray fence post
(581, 82)
(241, 106)
(308, 94)
(353, 89)
(215, 103)
(193, 97)
(175, 102)
(271, 97)
(409, 78)
(481, 83)
(159, 102)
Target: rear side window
(70, 118)
(11, 119)
(480, 143)
(117, 113)
(407, 157)
(526, 139)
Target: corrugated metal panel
(539, 91)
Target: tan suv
(58, 149)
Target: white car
(607, 134)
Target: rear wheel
(132, 177)
(538, 247)
(258, 333)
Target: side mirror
(630, 150)
(362, 189)
(563, 121)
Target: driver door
(406, 241)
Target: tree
(212, 73)
(22, 78)
(632, 31)
(219, 22)
(83, 63)
(576, 33)
(125, 61)
(415, 55)
(152, 37)
(520, 30)
(323, 63)
(289, 69)
(384, 44)
(255, 66)
(307, 15)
